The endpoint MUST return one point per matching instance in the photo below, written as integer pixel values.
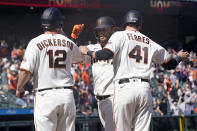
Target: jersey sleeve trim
(109, 50)
(172, 63)
(166, 61)
(22, 69)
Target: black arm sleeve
(171, 64)
(104, 54)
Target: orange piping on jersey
(109, 50)
(113, 112)
(166, 61)
(34, 111)
(22, 69)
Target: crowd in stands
(174, 92)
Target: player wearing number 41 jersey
(48, 58)
(133, 54)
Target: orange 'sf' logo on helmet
(99, 22)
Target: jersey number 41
(135, 53)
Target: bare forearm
(94, 55)
(24, 77)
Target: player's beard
(103, 41)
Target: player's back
(135, 53)
(53, 59)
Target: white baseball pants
(54, 110)
(132, 106)
(106, 113)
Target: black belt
(102, 97)
(66, 87)
(126, 80)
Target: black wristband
(90, 53)
(178, 59)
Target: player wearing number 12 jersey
(133, 54)
(48, 58)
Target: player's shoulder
(35, 40)
(153, 44)
(67, 39)
(118, 33)
(148, 38)
(117, 37)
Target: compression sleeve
(104, 54)
(172, 63)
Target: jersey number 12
(136, 54)
(56, 63)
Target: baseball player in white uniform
(133, 54)
(48, 58)
(102, 72)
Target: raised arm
(103, 54)
(173, 62)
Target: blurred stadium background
(171, 23)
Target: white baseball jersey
(134, 54)
(49, 58)
(133, 57)
(102, 72)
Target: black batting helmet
(132, 17)
(52, 18)
(105, 21)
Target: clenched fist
(77, 29)
(20, 93)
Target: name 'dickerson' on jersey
(55, 42)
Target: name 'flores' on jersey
(139, 52)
